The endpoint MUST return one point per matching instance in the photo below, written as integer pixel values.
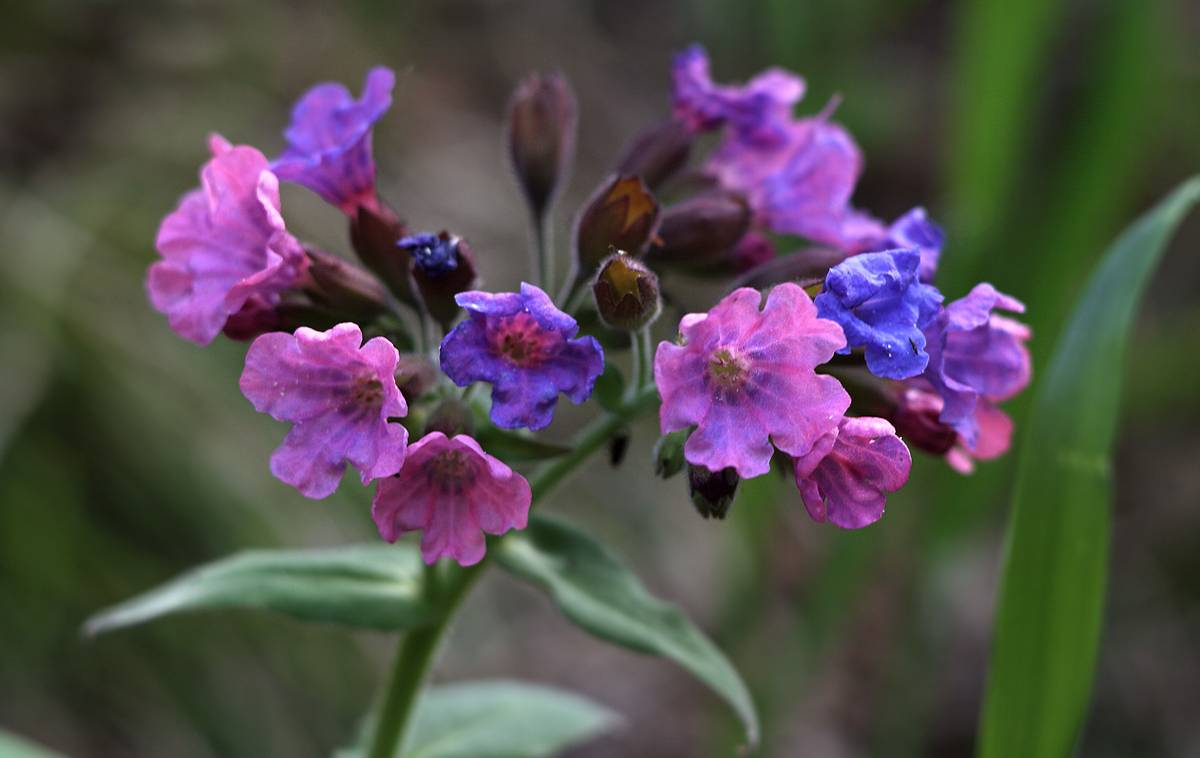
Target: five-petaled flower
(225, 247)
(329, 141)
(976, 355)
(339, 395)
(452, 491)
(745, 379)
(882, 307)
(526, 349)
(845, 478)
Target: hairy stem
(417, 649)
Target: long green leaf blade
(367, 586)
(1051, 597)
(599, 594)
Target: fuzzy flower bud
(668, 453)
(712, 492)
(442, 267)
(451, 418)
(626, 292)
(541, 136)
(342, 287)
(374, 233)
(623, 214)
(657, 153)
(701, 231)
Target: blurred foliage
(1034, 130)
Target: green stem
(416, 653)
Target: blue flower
(526, 349)
(880, 304)
(435, 254)
(916, 229)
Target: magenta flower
(339, 395)
(224, 246)
(453, 492)
(845, 478)
(745, 379)
(526, 349)
(975, 354)
(329, 141)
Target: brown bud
(701, 231)
(916, 421)
(712, 491)
(442, 267)
(415, 375)
(622, 214)
(657, 153)
(342, 287)
(450, 417)
(374, 234)
(541, 136)
(626, 292)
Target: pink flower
(339, 397)
(453, 492)
(745, 379)
(845, 478)
(224, 246)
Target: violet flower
(847, 475)
(452, 491)
(526, 349)
(339, 395)
(329, 141)
(745, 379)
(224, 247)
(882, 307)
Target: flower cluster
(349, 354)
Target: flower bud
(374, 234)
(415, 375)
(343, 288)
(442, 267)
(712, 491)
(916, 421)
(701, 231)
(668, 453)
(626, 293)
(541, 136)
(657, 153)
(623, 214)
(450, 417)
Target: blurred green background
(1033, 129)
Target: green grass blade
(1051, 596)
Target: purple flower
(454, 492)
(756, 110)
(976, 354)
(523, 346)
(339, 397)
(915, 229)
(434, 254)
(881, 306)
(745, 378)
(846, 477)
(329, 141)
(224, 246)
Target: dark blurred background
(1033, 129)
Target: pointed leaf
(14, 746)
(610, 388)
(514, 447)
(1051, 597)
(599, 594)
(369, 586)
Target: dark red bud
(415, 375)
(374, 233)
(916, 421)
(450, 417)
(622, 215)
(658, 153)
(702, 231)
(626, 292)
(541, 136)
(712, 491)
(806, 267)
(343, 288)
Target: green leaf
(502, 719)
(1055, 568)
(513, 447)
(599, 594)
(13, 746)
(610, 388)
(368, 586)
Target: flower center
(450, 471)
(520, 340)
(366, 391)
(727, 370)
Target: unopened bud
(442, 267)
(415, 375)
(668, 453)
(450, 417)
(623, 214)
(541, 136)
(342, 287)
(657, 153)
(701, 231)
(374, 234)
(626, 293)
(916, 421)
(712, 491)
